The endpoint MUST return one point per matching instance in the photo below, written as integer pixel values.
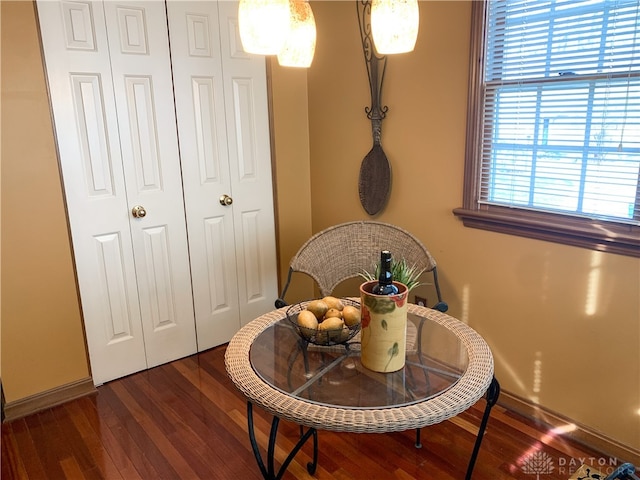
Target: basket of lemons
(326, 321)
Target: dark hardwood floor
(186, 420)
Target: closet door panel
(222, 293)
(76, 55)
(143, 90)
(112, 280)
(200, 108)
(246, 104)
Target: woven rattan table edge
(472, 385)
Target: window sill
(579, 232)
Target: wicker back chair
(345, 251)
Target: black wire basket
(319, 336)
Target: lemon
(331, 323)
(333, 302)
(309, 323)
(331, 328)
(318, 307)
(351, 315)
(333, 312)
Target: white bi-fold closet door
(158, 114)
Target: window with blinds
(557, 121)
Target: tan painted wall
(290, 138)
(563, 322)
(42, 337)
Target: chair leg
(418, 442)
(493, 392)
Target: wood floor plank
(47, 442)
(130, 436)
(101, 459)
(12, 464)
(72, 469)
(152, 434)
(220, 404)
(181, 434)
(111, 447)
(77, 446)
(210, 425)
(186, 420)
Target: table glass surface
(334, 376)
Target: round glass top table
(448, 368)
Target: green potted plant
(402, 272)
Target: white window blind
(561, 122)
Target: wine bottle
(385, 284)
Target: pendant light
(264, 25)
(394, 25)
(300, 44)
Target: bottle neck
(385, 277)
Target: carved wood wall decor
(374, 183)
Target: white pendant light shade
(264, 25)
(300, 45)
(394, 25)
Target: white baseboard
(50, 398)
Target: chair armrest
(279, 303)
(441, 306)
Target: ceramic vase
(383, 328)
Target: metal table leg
(493, 392)
(268, 472)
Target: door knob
(225, 200)
(138, 211)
